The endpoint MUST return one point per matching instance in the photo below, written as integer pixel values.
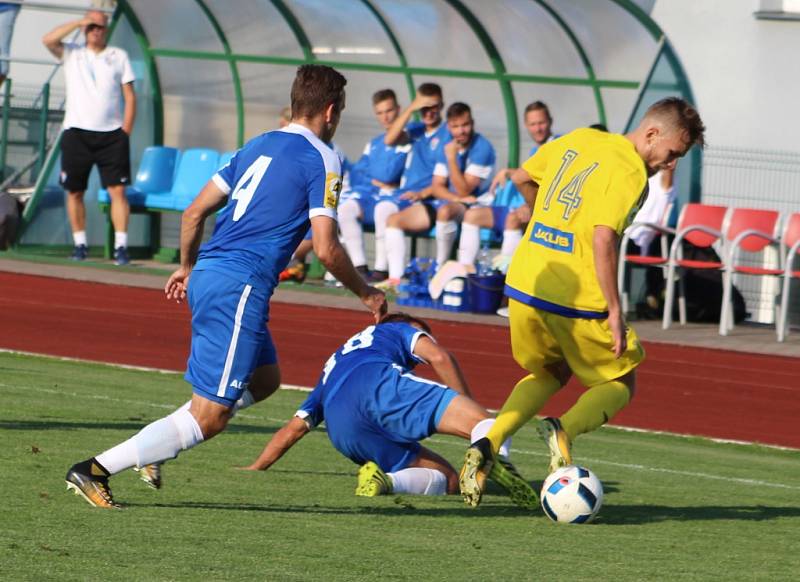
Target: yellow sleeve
(622, 199)
(537, 163)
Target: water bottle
(484, 261)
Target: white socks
(162, 440)
(419, 481)
(511, 239)
(383, 210)
(79, 237)
(395, 252)
(445, 237)
(158, 441)
(469, 244)
(120, 239)
(352, 232)
(482, 428)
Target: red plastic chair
(751, 231)
(790, 241)
(628, 261)
(701, 226)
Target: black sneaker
(89, 480)
(377, 276)
(79, 253)
(121, 256)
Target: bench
(166, 181)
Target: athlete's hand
(619, 332)
(375, 300)
(499, 180)
(421, 101)
(451, 150)
(524, 213)
(411, 196)
(177, 284)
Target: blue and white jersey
(390, 345)
(516, 199)
(380, 162)
(275, 184)
(422, 158)
(478, 159)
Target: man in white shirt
(96, 131)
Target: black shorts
(81, 149)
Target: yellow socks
(595, 407)
(528, 397)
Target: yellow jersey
(586, 178)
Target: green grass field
(675, 508)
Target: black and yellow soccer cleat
(150, 474)
(478, 463)
(372, 481)
(557, 440)
(89, 480)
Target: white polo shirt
(94, 86)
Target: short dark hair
(599, 127)
(314, 88)
(383, 95)
(430, 89)
(538, 106)
(401, 317)
(682, 115)
(458, 109)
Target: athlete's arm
(281, 441)
(526, 186)
(129, 96)
(443, 363)
(210, 199)
(605, 242)
(331, 254)
(52, 40)
(396, 132)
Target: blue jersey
(389, 345)
(380, 162)
(275, 184)
(422, 158)
(478, 159)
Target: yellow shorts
(540, 338)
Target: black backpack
(704, 290)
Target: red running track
(688, 390)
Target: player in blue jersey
(268, 193)
(461, 173)
(374, 177)
(508, 221)
(376, 410)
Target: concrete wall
(745, 73)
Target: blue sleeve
(323, 183)
(409, 336)
(415, 130)
(225, 178)
(311, 409)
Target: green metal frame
(498, 74)
(237, 82)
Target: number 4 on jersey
(247, 185)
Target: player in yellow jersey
(564, 307)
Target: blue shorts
(380, 414)
(230, 338)
(500, 213)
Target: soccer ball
(572, 494)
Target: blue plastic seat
(224, 158)
(155, 174)
(195, 168)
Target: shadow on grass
(133, 424)
(403, 506)
(646, 514)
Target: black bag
(9, 218)
(704, 290)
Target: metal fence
(750, 178)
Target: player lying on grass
(376, 411)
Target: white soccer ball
(572, 494)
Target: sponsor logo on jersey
(552, 238)
(333, 187)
